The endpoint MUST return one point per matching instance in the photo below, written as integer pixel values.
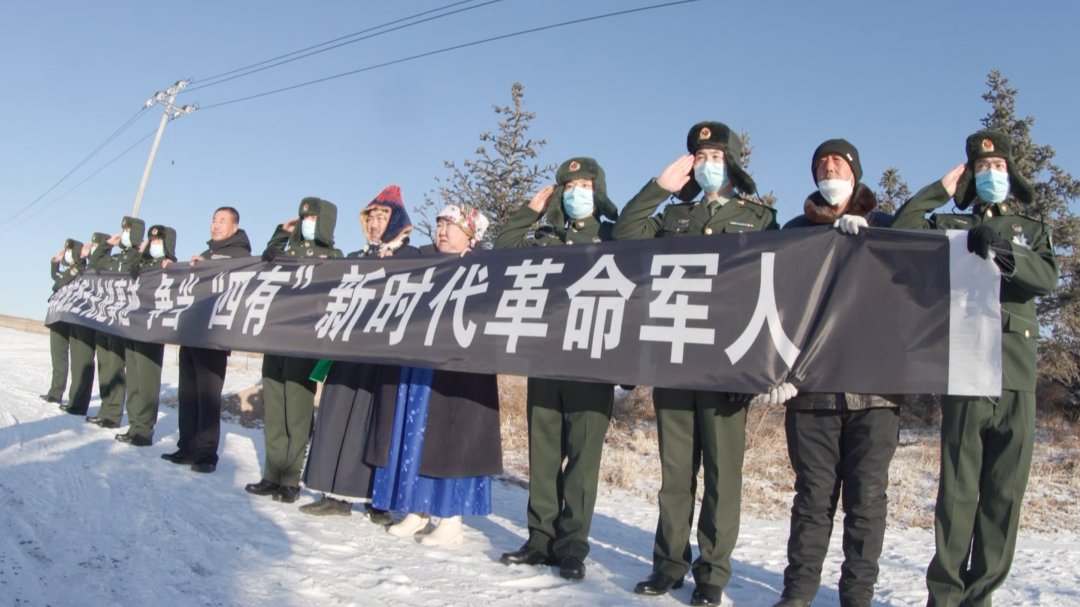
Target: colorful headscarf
(471, 221)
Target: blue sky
(902, 81)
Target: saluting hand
(59, 256)
(290, 224)
(114, 239)
(86, 249)
(677, 174)
(539, 202)
(952, 178)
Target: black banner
(880, 312)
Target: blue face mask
(125, 239)
(307, 229)
(711, 176)
(578, 202)
(992, 186)
(157, 249)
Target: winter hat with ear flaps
(581, 167)
(717, 135)
(990, 144)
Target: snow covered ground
(86, 520)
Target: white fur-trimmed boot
(409, 526)
(446, 533)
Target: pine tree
(744, 160)
(497, 181)
(894, 191)
(1055, 191)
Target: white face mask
(67, 257)
(125, 239)
(157, 250)
(836, 191)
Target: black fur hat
(718, 136)
(990, 144)
(580, 167)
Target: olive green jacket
(127, 258)
(1035, 272)
(688, 218)
(515, 232)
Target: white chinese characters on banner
(765, 314)
(597, 301)
(258, 303)
(399, 300)
(475, 283)
(348, 301)
(673, 302)
(525, 301)
(232, 287)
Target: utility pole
(172, 112)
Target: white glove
(781, 394)
(850, 224)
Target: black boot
(263, 487)
(657, 583)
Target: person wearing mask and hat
(567, 419)
(435, 439)
(837, 443)
(142, 360)
(109, 348)
(202, 370)
(65, 267)
(696, 427)
(288, 391)
(80, 339)
(987, 442)
(335, 462)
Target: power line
(108, 140)
(303, 53)
(251, 69)
(87, 178)
(448, 49)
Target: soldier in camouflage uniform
(288, 391)
(567, 419)
(696, 427)
(110, 348)
(987, 443)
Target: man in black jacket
(839, 444)
(202, 370)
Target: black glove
(982, 238)
(269, 255)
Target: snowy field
(87, 520)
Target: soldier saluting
(567, 419)
(696, 427)
(986, 442)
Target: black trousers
(838, 453)
(202, 376)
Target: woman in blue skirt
(438, 445)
